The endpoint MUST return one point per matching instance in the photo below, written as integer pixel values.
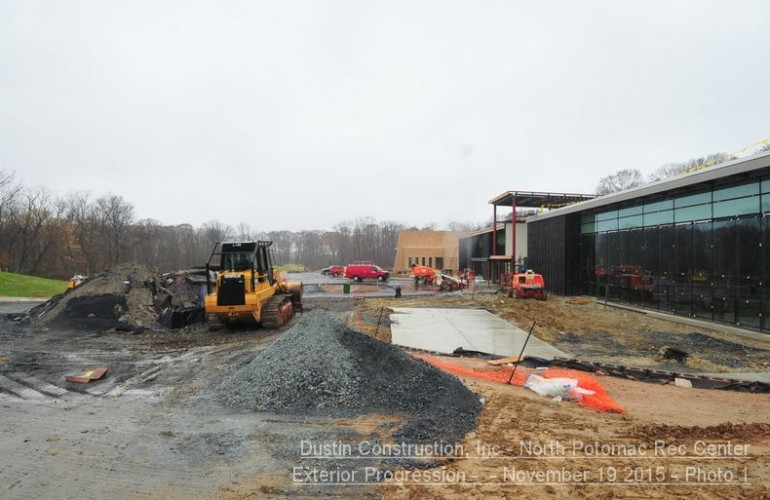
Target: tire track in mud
(17, 388)
(62, 450)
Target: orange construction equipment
(527, 285)
(423, 272)
(430, 276)
(75, 281)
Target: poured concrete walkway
(744, 376)
(444, 330)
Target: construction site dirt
(158, 425)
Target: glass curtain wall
(701, 255)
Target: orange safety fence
(600, 400)
(499, 375)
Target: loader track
(275, 311)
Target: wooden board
(87, 376)
(504, 361)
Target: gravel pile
(322, 367)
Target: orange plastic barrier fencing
(500, 375)
(600, 400)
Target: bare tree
(243, 232)
(186, 246)
(81, 215)
(25, 228)
(388, 241)
(361, 240)
(146, 240)
(466, 226)
(115, 216)
(680, 168)
(309, 249)
(342, 243)
(9, 194)
(619, 181)
(212, 232)
(364, 238)
(283, 245)
(48, 255)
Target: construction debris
(651, 375)
(87, 376)
(747, 386)
(504, 361)
(673, 353)
(129, 298)
(321, 367)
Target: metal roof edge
(500, 227)
(504, 194)
(741, 165)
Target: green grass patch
(291, 268)
(19, 285)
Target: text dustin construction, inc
(338, 449)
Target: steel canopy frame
(529, 199)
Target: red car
(336, 270)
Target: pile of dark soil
(122, 298)
(321, 367)
(130, 297)
(718, 351)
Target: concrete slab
(444, 330)
(745, 376)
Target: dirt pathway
(671, 443)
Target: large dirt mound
(321, 367)
(129, 297)
(122, 298)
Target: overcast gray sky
(300, 114)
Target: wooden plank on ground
(504, 361)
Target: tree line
(43, 234)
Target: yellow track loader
(247, 290)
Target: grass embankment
(19, 285)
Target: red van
(358, 272)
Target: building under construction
(501, 248)
(436, 249)
(694, 245)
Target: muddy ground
(153, 428)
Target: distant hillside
(19, 285)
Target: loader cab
(251, 256)
(237, 261)
(253, 260)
